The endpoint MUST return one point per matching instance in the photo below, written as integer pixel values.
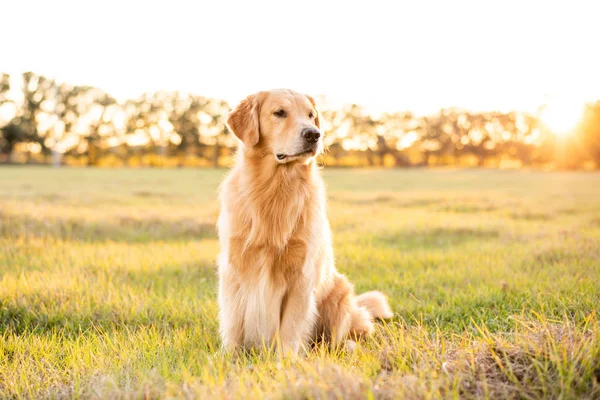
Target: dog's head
(281, 123)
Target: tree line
(43, 121)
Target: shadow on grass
(528, 215)
(461, 208)
(21, 319)
(496, 309)
(438, 238)
(385, 200)
(119, 229)
(595, 222)
(171, 296)
(168, 279)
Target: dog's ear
(243, 121)
(312, 101)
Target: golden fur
(277, 278)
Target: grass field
(108, 286)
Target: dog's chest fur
(268, 243)
(270, 222)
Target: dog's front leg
(231, 323)
(299, 312)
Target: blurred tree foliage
(588, 132)
(86, 126)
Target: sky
(386, 55)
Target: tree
(86, 116)
(478, 139)
(588, 132)
(184, 116)
(38, 96)
(363, 130)
(390, 132)
(9, 133)
(4, 88)
(434, 137)
(147, 122)
(332, 121)
(214, 128)
(85, 121)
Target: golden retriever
(277, 279)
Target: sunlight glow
(562, 115)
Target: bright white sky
(387, 55)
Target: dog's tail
(376, 304)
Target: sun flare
(562, 116)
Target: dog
(278, 284)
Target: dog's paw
(350, 346)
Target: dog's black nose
(311, 135)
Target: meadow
(108, 286)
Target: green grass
(108, 286)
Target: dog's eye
(280, 113)
(311, 115)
